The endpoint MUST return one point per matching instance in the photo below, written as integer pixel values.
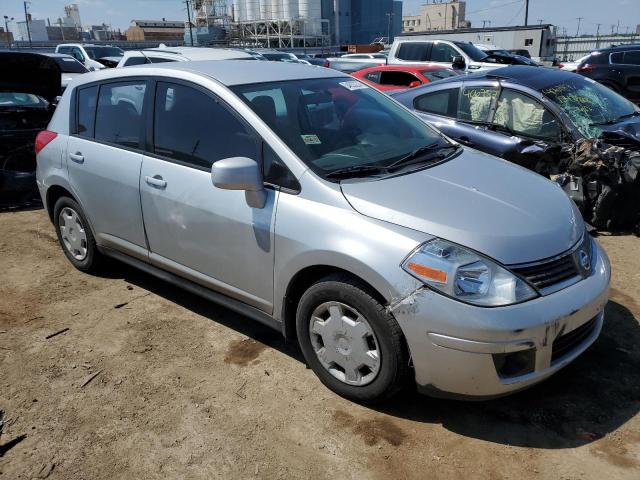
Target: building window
(528, 42)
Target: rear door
(104, 161)
(629, 71)
(206, 234)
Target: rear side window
(194, 128)
(160, 60)
(397, 78)
(617, 57)
(476, 103)
(134, 61)
(414, 51)
(86, 111)
(444, 102)
(119, 117)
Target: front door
(104, 161)
(206, 234)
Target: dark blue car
(523, 114)
(550, 121)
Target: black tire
(394, 358)
(92, 260)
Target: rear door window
(632, 57)
(414, 51)
(476, 103)
(196, 129)
(86, 111)
(444, 102)
(119, 118)
(397, 78)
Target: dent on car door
(206, 234)
(104, 160)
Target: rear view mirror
(240, 173)
(458, 62)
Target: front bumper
(454, 346)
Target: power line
(578, 29)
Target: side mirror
(240, 173)
(458, 62)
(414, 84)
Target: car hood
(479, 201)
(30, 73)
(629, 129)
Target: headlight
(466, 276)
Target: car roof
(197, 53)
(529, 76)
(56, 55)
(405, 68)
(617, 48)
(227, 72)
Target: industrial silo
(290, 9)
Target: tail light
(586, 68)
(43, 139)
(326, 64)
(560, 65)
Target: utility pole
(526, 12)
(597, 36)
(578, 30)
(389, 17)
(186, 2)
(618, 28)
(6, 29)
(26, 19)
(540, 20)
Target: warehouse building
(155, 30)
(437, 16)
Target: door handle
(156, 181)
(76, 157)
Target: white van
(463, 56)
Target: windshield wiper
(355, 171)
(615, 120)
(420, 155)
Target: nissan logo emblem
(585, 261)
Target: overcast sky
(562, 13)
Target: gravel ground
(146, 381)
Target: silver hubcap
(344, 343)
(72, 232)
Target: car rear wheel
(75, 236)
(350, 341)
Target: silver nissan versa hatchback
(307, 201)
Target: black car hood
(30, 73)
(625, 134)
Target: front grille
(566, 343)
(547, 274)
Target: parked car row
(308, 201)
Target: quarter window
(373, 77)
(526, 116)
(632, 57)
(476, 103)
(119, 118)
(87, 111)
(192, 127)
(444, 102)
(275, 171)
(135, 61)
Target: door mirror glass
(240, 173)
(458, 62)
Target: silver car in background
(318, 206)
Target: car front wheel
(349, 339)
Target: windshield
(337, 123)
(70, 65)
(588, 103)
(101, 52)
(14, 99)
(472, 51)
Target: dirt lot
(151, 382)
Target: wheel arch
(300, 283)
(55, 192)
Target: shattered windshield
(588, 104)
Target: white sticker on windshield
(353, 85)
(311, 139)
